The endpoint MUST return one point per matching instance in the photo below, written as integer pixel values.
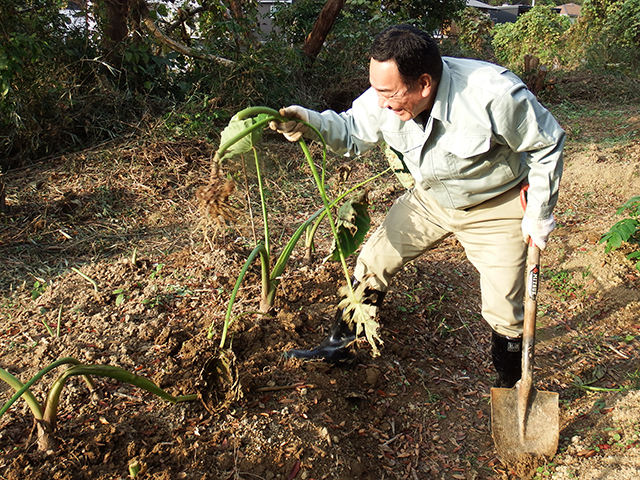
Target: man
(471, 135)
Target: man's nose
(383, 102)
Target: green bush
(539, 32)
(59, 92)
(622, 30)
(474, 38)
(607, 35)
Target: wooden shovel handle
(530, 306)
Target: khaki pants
(490, 234)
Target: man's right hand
(292, 130)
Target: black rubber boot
(507, 359)
(335, 348)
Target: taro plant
(45, 414)
(239, 137)
(626, 230)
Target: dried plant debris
(362, 314)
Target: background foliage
(539, 32)
(70, 80)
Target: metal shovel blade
(539, 437)
(525, 422)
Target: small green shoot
(59, 322)
(46, 325)
(156, 271)
(120, 292)
(87, 278)
(134, 468)
(38, 289)
(49, 329)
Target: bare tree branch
(175, 45)
(186, 15)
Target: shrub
(539, 32)
(626, 230)
(474, 38)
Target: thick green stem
(263, 202)
(259, 249)
(23, 390)
(325, 200)
(311, 231)
(20, 388)
(280, 265)
(278, 268)
(53, 399)
(265, 268)
(254, 111)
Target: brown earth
(124, 216)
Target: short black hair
(414, 51)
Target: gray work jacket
(486, 133)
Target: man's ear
(426, 84)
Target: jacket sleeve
(530, 129)
(353, 132)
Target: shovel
(524, 421)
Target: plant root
(214, 200)
(219, 384)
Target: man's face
(393, 94)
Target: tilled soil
(107, 259)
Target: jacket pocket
(473, 158)
(465, 146)
(407, 146)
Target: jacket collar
(440, 109)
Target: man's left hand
(538, 230)
(292, 130)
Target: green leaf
(353, 224)
(119, 299)
(633, 205)
(613, 239)
(626, 228)
(245, 142)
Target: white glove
(292, 130)
(538, 230)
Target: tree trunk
(3, 205)
(115, 29)
(236, 8)
(326, 19)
